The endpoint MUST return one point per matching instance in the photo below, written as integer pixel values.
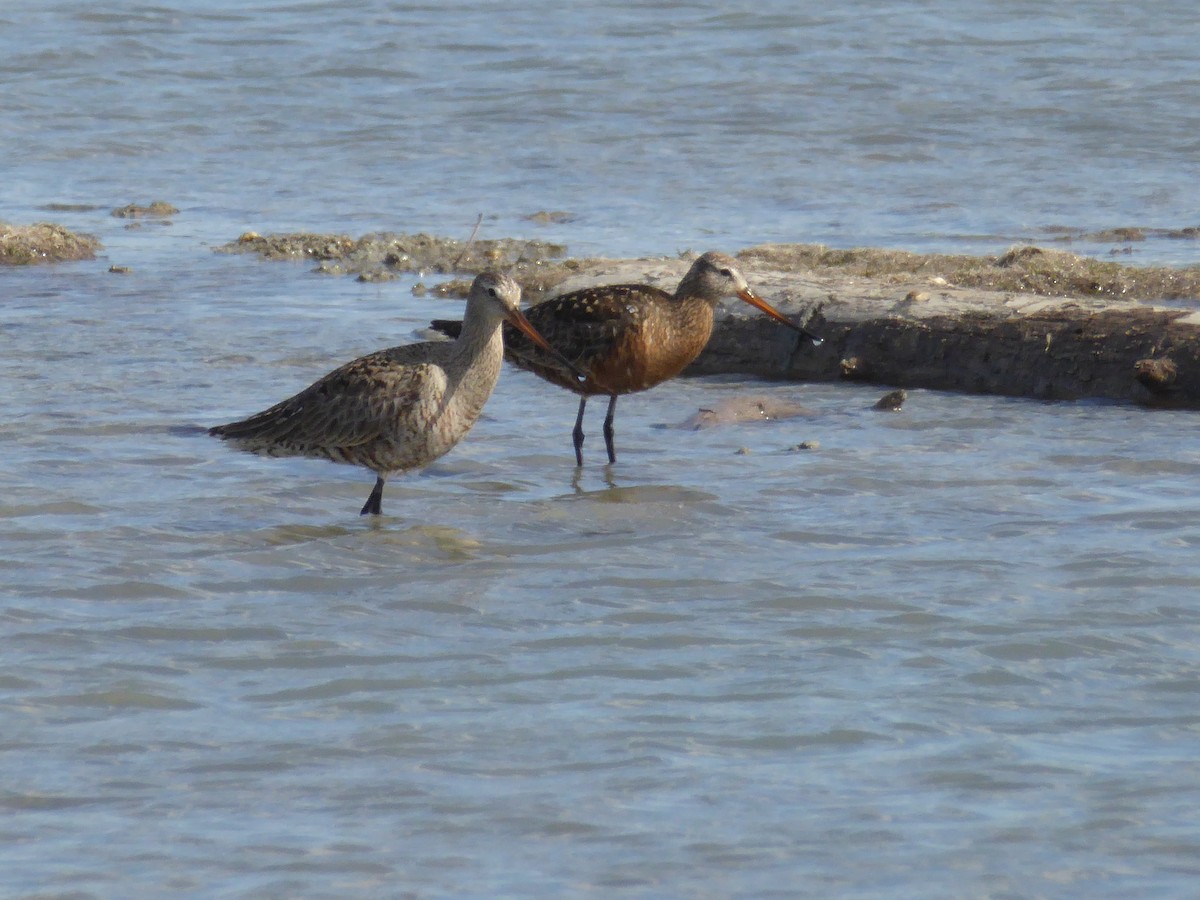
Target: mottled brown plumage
(628, 337)
(400, 408)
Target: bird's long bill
(517, 318)
(759, 303)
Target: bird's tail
(449, 327)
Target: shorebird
(627, 337)
(401, 408)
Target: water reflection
(577, 480)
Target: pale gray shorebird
(396, 409)
(628, 337)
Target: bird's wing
(372, 398)
(583, 326)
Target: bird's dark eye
(728, 273)
(491, 292)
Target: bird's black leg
(374, 504)
(577, 434)
(608, 429)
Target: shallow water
(950, 651)
(951, 648)
(926, 126)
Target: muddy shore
(920, 329)
(1033, 322)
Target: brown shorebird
(396, 409)
(628, 337)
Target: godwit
(628, 337)
(396, 409)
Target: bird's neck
(692, 290)
(693, 313)
(480, 345)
